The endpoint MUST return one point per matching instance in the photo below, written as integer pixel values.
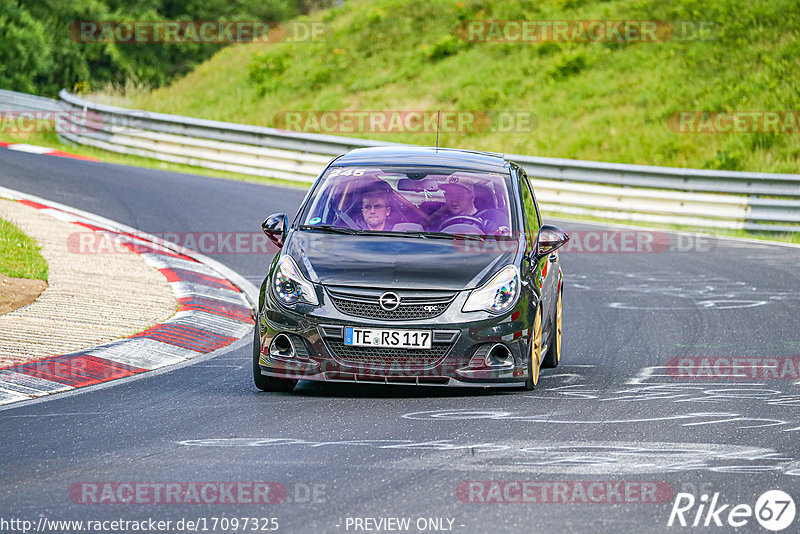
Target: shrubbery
(38, 56)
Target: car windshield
(411, 200)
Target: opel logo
(389, 301)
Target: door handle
(553, 257)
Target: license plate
(385, 337)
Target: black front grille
(413, 305)
(387, 358)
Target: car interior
(415, 201)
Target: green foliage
(449, 45)
(569, 65)
(41, 52)
(724, 161)
(604, 101)
(266, 70)
(24, 53)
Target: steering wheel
(462, 219)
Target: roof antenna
(438, 118)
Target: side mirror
(275, 228)
(550, 239)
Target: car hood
(396, 262)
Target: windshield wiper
(328, 228)
(389, 233)
(423, 234)
(445, 235)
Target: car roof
(425, 156)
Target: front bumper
(320, 354)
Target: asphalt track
(610, 413)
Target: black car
(412, 265)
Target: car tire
(267, 383)
(535, 351)
(553, 356)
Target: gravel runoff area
(90, 299)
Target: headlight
(498, 295)
(291, 286)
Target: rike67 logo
(774, 510)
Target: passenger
(375, 210)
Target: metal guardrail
(693, 197)
(13, 101)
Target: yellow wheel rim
(558, 328)
(536, 347)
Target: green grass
(593, 101)
(19, 254)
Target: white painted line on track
(160, 261)
(9, 397)
(143, 353)
(189, 289)
(211, 322)
(31, 149)
(35, 385)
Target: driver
(459, 197)
(459, 200)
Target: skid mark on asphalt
(678, 292)
(648, 386)
(688, 419)
(538, 456)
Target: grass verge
(19, 254)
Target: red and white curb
(35, 149)
(215, 310)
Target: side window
(538, 220)
(532, 222)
